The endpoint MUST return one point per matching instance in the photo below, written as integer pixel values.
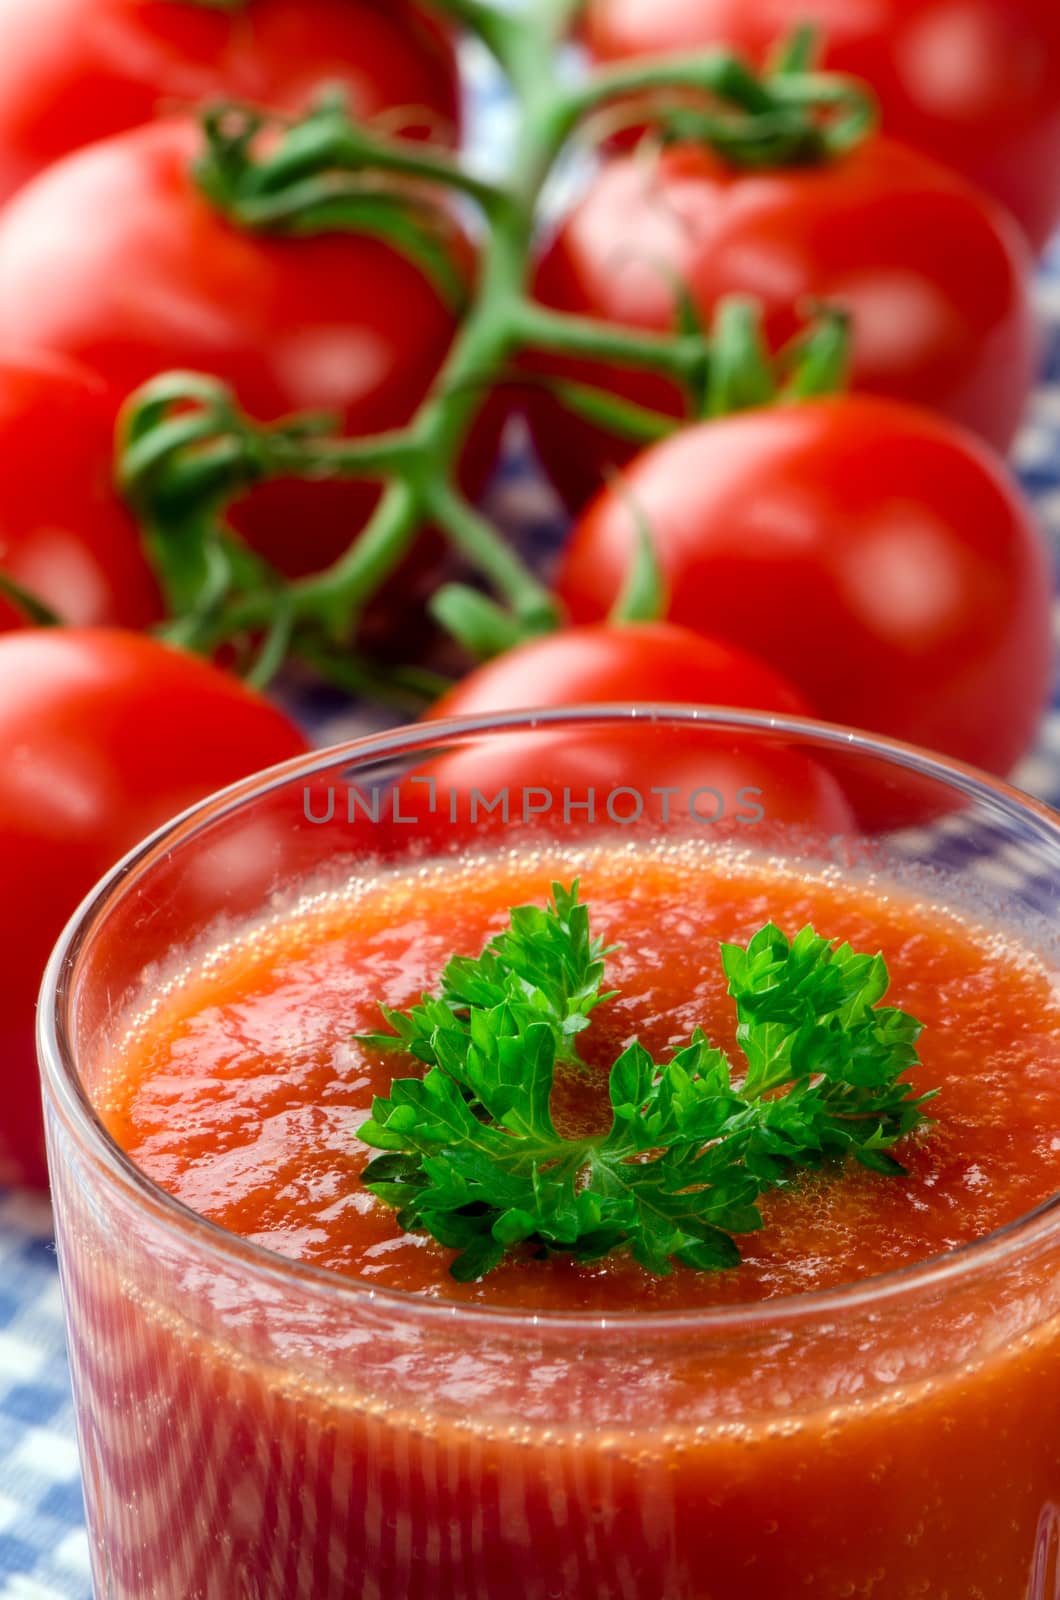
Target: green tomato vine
(186, 450)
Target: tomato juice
(351, 1422)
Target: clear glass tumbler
(256, 1429)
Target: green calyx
(788, 115)
(325, 174)
(744, 375)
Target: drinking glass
(254, 1428)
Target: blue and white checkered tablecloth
(43, 1548)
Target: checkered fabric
(43, 1551)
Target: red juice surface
(907, 1450)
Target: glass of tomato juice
(281, 1396)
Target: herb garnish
(473, 1156)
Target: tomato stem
(476, 622)
(495, 30)
(684, 359)
(637, 424)
(187, 450)
(406, 689)
(338, 596)
(277, 645)
(476, 540)
(36, 611)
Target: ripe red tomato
(628, 663)
(975, 83)
(884, 233)
(73, 71)
(635, 773)
(114, 258)
(877, 557)
(64, 535)
(577, 786)
(106, 736)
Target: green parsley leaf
(473, 1157)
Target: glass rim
(61, 1080)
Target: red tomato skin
(625, 664)
(582, 785)
(64, 534)
(877, 557)
(106, 735)
(883, 233)
(114, 259)
(973, 83)
(74, 71)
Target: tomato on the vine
(106, 736)
(633, 772)
(73, 71)
(877, 557)
(933, 275)
(65, 538)
(114, 258)
(974, 83)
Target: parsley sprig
(474, 1158)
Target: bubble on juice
(834, 1230)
